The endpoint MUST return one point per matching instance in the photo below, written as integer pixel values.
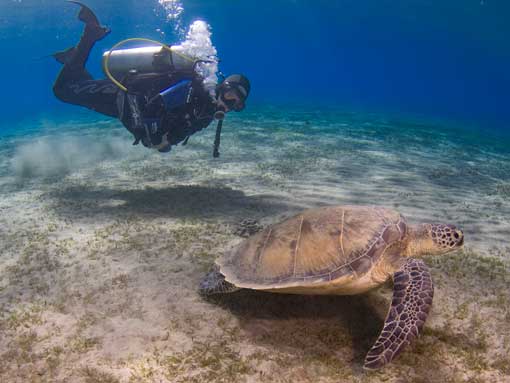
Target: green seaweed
(470, 268)
(94, 375)
(214, 361)
(82, 344)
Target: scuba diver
(154, 91)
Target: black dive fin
(86, 15)
(64, 56)
(93, 29)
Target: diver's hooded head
(232, 92)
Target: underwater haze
(103, 244)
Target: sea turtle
(343, 250)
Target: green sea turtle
(343, 250)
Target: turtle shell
(316, 246)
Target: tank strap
(120, 101)
(172, 65)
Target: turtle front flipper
(412, 297)
(215, 283)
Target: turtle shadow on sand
(315, 324)
(179, 201)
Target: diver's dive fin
(86, 15)
(77, 56)
(93, 29)
(64, 56)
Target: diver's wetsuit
(159, 125)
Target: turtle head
(434, 239)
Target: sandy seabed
(103, 245)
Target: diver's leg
(98, 95)
(74, 84)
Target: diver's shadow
(321, 324)
(180, 201)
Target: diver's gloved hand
(219, 115)
(166, 149)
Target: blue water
(440, 60)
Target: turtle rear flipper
(412, 297)
(215, 283)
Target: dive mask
(233, 98)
